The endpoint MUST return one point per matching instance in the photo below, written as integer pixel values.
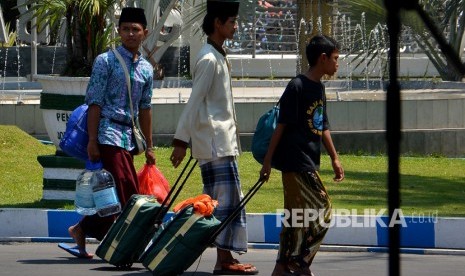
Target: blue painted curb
(369, 232)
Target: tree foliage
(88, 28)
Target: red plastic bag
(152, 182)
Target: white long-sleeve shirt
(208, 119)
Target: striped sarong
(299, 244)
(221, 181)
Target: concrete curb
(419, 235)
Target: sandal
(76, 251)
(234, 267)
(299, 268)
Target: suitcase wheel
(124, 266)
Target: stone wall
(434, 127)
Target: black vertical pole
(393, 119)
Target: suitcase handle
(238, 209)
(165, 210)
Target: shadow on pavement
(60, 260)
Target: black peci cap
(227, 8)
(133, 15)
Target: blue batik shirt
(107, 88)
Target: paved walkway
(46, 259)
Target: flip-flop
(75, 251)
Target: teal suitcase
(136, 225)
(131, 231)
(179, 242)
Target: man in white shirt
(208, 123)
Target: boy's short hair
(320, 44)
(208, 25)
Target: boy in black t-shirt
(295, 150)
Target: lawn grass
(20, 173)
(429, 185)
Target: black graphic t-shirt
(303, 111)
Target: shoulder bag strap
(128, 81)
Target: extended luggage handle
(238, 209)
(167, 205)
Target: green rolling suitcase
(131, 231)
(179, 242)
(136, 225)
